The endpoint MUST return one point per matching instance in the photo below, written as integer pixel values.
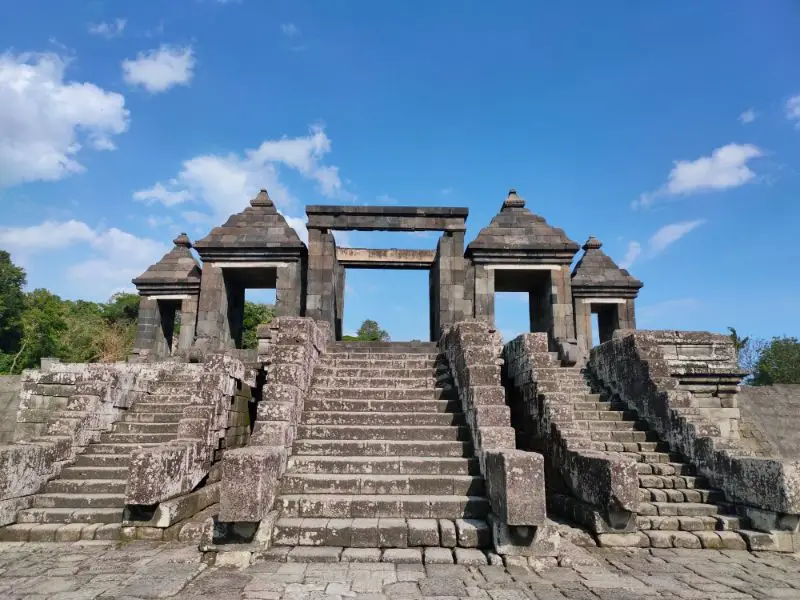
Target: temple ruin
(465, 448)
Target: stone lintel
(522, 267)
(387, 218)
(263, 264)
(390, 258)
(603, 300)
(170, 296)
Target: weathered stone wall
(647, 371)
(10, 386)
(176, 467)
(514, 478)
(603, 489)
(288, 349)
(770, 420)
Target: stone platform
(143, 570)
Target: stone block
(473, 533)
(423, 532)
(438, 556)
(447, 533)
(392, 533)
(402, 556)
(515, 486)
(364, 533)
(361, 555)
(250, 482)
(163, 472)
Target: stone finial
(592, 244)
(513, 201)
(182, 240)
(262, 199)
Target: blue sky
(671, 131)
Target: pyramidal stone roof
(596, 272)
(518, 235)
(178, 272)
(257, 233)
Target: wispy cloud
(748, 116)
(726, 167)
(290, 30)
(633, 252)
(659, 241)
(793, 110)
(109, 30)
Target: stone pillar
(340, 289)
(450, 278)
(484, 293)
(627, 314)
(583, 325)
(563, 319)
(148, 323)
(469, 289)
(321, 297)
(288, 291)
(213, 326)
(188, 322)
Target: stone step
(383, 432)
(382, 418)
(377, 355)
(157, 407)
(167, 399)
(387, 346)
(83, 500)
(383, 383)
(86, 486)
(70, 515)
(382, 448)
(679, 495)
(389, 372)
(621, 436)
(382, 533)
(630, 447)
(382, 394)
(384, 465)
(136, 438)
(377, 363)
(153, 417)
(604, 415)
(609, 425)
(111, 448)
(59, 532)
(677, 509)
(92, 473)
(702, 523)
(592, 406)
(103, 460)
(383, 505)
(665, 468)
(672, 482)
(366, 405)
(185, 388)
(367, 484)
(138, 427)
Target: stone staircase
(87, 500)
(677, 508)
(383, 461)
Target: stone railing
(288, 349)
(514, 478)
(602, 490)
(62, 408)
(683, 385)
(176, 467)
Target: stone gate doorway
(327, 263)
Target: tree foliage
(255, 314)
(779, 362)
(12, 302)
(370, 331)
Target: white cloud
(658, 242)
(158, 193)
(194, 217)
(669, 234)
(634, 249)
(727, 167)
(156, 222)
(158, 70)
(290, 30)
(45, 122)
(108, 30)
(793, 110)
(225, 183)
(116, 256)
(748, 116)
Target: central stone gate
(327, 263)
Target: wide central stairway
(383, 459)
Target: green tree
(370, 331)
(255, 314)
(779, 362)
(12, 303)
(42, 325)
(122, 307)
(739, 343)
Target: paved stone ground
(98, 570)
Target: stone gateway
(458, 449)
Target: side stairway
(87, 500)
(677, 508)
(383, 460)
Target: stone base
(540, 541)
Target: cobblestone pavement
(92, 570)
